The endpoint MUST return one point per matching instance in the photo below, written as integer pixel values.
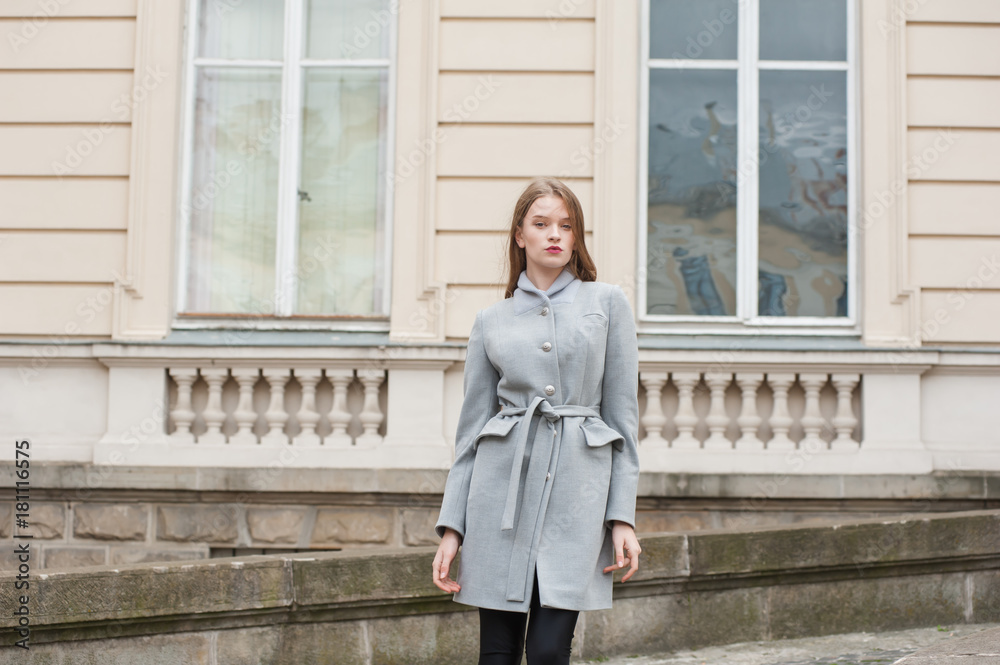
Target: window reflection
(802, 232)
(691, 231)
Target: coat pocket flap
(498, 425)
(597, 433)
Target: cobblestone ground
(851, 649)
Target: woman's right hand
(447, 550)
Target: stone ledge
(91, 481)
(382, 582)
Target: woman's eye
(567, 226)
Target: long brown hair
(580, 263)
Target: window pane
(342, 192)
(803, 194)
(803, 29)
(699, 30)
(691, 248)
(249, 29)
(234, 193)
(348, 29)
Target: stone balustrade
(372, 407)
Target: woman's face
(546, 234)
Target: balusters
(686, 418)
(717, 420)
(653, 420)
(781, 419)
(844, 421)
(244, 415)
(339, 416)
(812, 419)
(276, 416)
(371, 415)
(213, 414)
(183, 413)
(749, 419)
(308, 415)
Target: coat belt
(551, 414)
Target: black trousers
(502, 638)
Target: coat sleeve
(479, 404)
(620, 407)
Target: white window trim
(747, 322)
(289, 165)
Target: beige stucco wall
(953, 235)
(64, 162)
(490, 93)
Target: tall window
(286, 194)
(748, 149)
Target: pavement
(851, 649)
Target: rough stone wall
(379, 607)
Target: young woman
(541, 496)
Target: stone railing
(379, 606)
(309, 406)
(337, 407)
(379, 407)
(779, 412)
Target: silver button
(546, 347)
(545, 310)
(549, 390)
(547, 476)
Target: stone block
(248, 646)
(857, 544)
(62, 558)
(6, 519)
(275, 525)
(451, 638)
(676, 621)
(377, 573)
(418, 526)
(197, 523)
(339, 643)
(337, 526)
(660, 521)
(985, 599)
(153, 590)
(153, 555)
(169, 649)
(869, 604)
(47, 520)
(110, 521)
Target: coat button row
(550, 390)
(545, 310)
(546, 346)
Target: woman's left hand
(627, 549)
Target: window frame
(293, 66)
(747, 321)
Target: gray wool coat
(545, 451)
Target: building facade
(243, 242)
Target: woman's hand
(447, 550)
(627, 549)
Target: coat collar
(527, 296)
